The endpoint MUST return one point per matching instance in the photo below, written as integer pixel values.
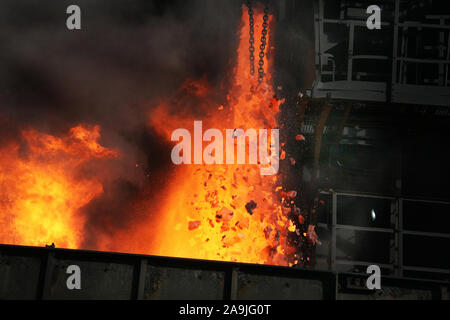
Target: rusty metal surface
(40, 273)
(257, 287)
(165, 283)
(19, 277)
(100, 280)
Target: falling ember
(41, 190)
(226, 212)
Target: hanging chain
(252, 39)
(263, 44)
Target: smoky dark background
(127, 55)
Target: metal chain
(252, 39)
(263, 44)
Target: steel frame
(397, 230)
(399, 90)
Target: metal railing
(374, 88)
(397, 230)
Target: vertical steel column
(398, 218)
(403, 54)
(395, 252)
(394, 248)
(47, 264)
(395, 44)
(141, 273)
(351, 40)
(342, 11)
(400, 237)
(448, 57)
(318, 31)
(441, 52)
(234, 284)
(333, 232)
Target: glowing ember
(221, 212)
(225, 212)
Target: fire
(225, 212)
(219, 212)
(41, 192)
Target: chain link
(263, 44)
(252, 38)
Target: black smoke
(128, 55)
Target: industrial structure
(376, 124)
(41, 273)
(389, 93)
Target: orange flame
(202, 214)
(205, 212)
(40, 193)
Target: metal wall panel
(41, 273)
(260, 287)
(19, 277)
(183, 284)
(100, 280)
